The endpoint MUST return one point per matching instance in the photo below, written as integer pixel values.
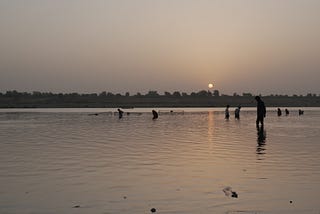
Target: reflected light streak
(210, 129)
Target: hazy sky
(82, 46)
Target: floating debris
(153, 210)
(124, 197)
(290, 202)
(228, 192)
(77, 206)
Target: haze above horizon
(261, 47)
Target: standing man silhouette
(261, 111)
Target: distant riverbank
(103, 100)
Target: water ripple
(178, 163)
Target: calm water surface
(52, 160)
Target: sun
(210, 85)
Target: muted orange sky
(267, 47)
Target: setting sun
(210, 85)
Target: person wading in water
(261, 111)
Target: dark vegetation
(14, 99)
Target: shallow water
(52, 160)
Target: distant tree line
(203, 98)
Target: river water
(73, 161)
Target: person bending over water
(261, 111)
(120, 113)
(287, 112)
(300, 112)
(155, 115)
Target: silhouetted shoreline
(14, 99)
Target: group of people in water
(261, 112)
(279, 112)
(154, 113)
(236, 112)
